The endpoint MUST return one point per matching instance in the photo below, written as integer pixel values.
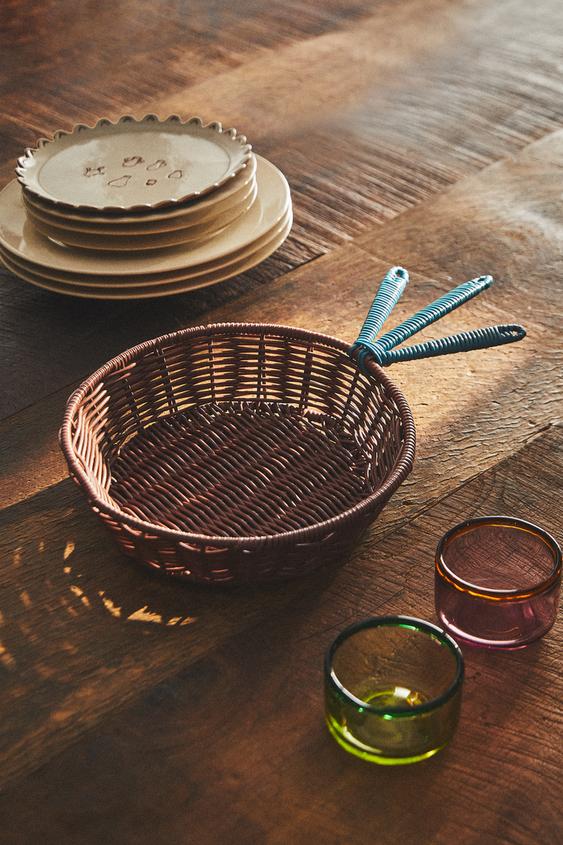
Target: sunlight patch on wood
(80, 593)
(6, 658)
(110, 606)
(143, 614)
(69, 548)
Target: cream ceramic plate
(149, 292)
(141, 228)
(193, 235)
(19, 236)
(193, 211)
(140, 280)
(133, 163)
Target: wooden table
(421, 132)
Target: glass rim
(447, 574)
(396, 621)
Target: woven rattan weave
(238, 452)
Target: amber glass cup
(393, 689)
(497, 581)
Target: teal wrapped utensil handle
(383, 350)
(462, 342)
(435, 311)
(390, 291)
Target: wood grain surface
(396, 102)
(427, 133)
(236, 720)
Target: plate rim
(213, 227)
(246, 264)
(205, 267)
(28, 160)
(140, 226)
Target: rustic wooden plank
(364, 140)
(462, 431)
(364, 132)
(505, 221)
(59, 58)
(82, 629)
(241, 728)
(394, 107)
(30, 458)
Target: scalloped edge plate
(239, 186)
(132, 164)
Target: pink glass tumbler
(497, 581)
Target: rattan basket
(240, 452)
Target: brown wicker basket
(244, 452)
(238, 452)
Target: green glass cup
(393, 689)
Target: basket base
(247, 468)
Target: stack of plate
(141, 208)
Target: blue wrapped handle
(390, 291)
(462, 342)
(435, 311)
(383, 350)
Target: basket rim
(401, 468)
